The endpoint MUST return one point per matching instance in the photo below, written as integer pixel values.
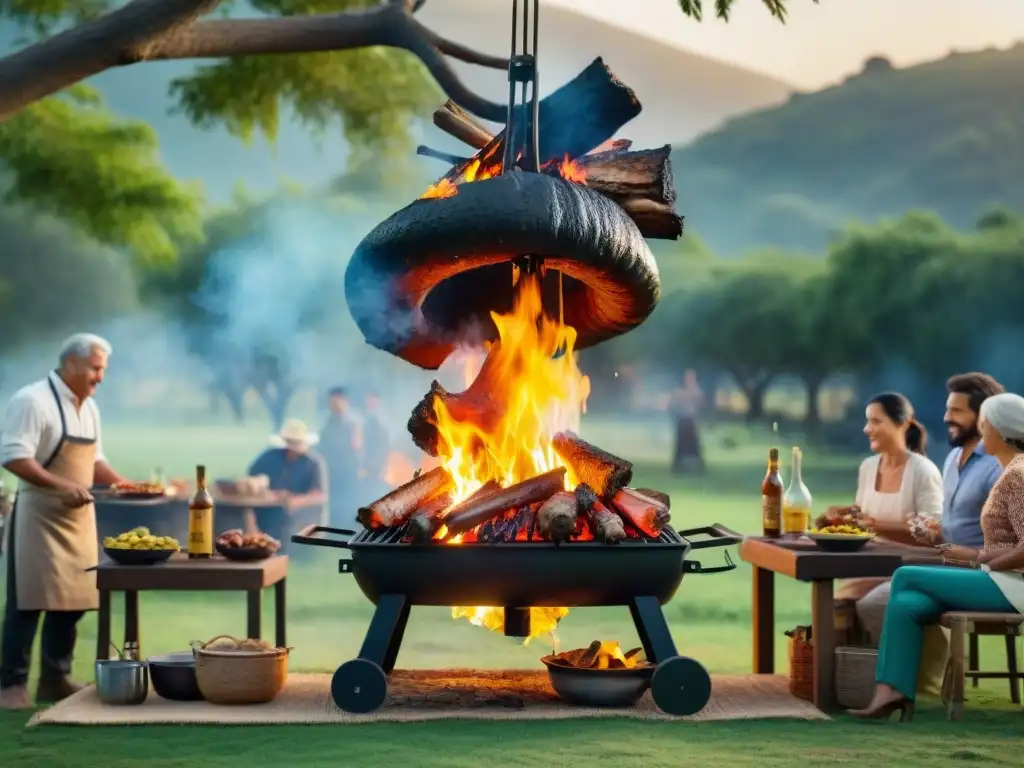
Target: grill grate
(394, 536)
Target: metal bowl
(174, 676)
(840, 542)
(122, 682)
(598, 687)
(138, 556)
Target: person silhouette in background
(684, 405)
(341, 446)
(376, 448)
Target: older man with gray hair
(51, 442)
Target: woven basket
(240, 677)
(801, 669)
(855, 675)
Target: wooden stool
(968, 623)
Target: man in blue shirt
(967, 477)
(297, 478)
(969, 473)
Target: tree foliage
(52, 280)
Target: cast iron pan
(431, 273)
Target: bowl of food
(139, 547)
(600, 675)
(174, 676)
(238, 545)
(840, 538)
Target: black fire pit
(643, 574)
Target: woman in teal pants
(988, 580)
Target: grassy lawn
(710, 618)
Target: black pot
(174, 676)
(432, 273)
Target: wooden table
(803, 561)
(180, 574)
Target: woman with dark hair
(994, 583)
(895, 486)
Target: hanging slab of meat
(645, 514)
(430, 273)
(396, 507)
(587, 463)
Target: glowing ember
(532, 375)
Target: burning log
(395, 508)
(658, 496)
(556, 518)
(427, 521)
(602, 471)
(473, 512)
(645, 514)
(646, 174)
(457, 122)
(604, 524)
(658, 221)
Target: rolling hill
(683, 94)
(946, 135)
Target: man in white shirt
(51, 442)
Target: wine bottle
(200, 518)
(796, 504)
(771, 497)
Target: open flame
(488, 166)
(532, 388)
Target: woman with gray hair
(987, 579)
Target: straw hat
(294, 435)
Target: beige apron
(53, 545)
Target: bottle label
(200, 535)
(771, 512)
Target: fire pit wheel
(681, 686)
(359, 686)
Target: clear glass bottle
(796, 504)
(131, 651)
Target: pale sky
(820, 44)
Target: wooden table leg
(279, 614)
(254, 617)
(764, 621)
(131, 619)
(823, 631)
(103, 626)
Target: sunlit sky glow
(821, 43)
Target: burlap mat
(433, 695)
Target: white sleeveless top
(920, 491)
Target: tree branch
(152, 30)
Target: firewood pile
(602, 507)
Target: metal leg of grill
(387, 627)
(361, 684)
(652, 628)
(680, 685)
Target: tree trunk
(813, 385)
(754, 388)
(276, 396)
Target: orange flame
(443, 188)
(490, 165)
(531, 374)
